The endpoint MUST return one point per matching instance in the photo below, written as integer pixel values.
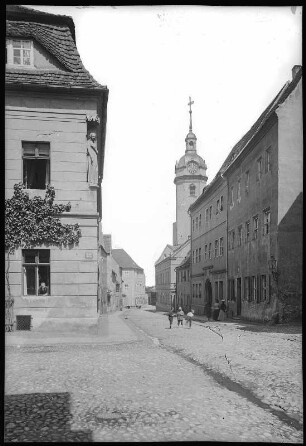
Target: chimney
(295, 70)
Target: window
(268, 160)
(36, 164)
(209, 251)
(192, 189)
(217, 207)
(193, 225)
(263, 292)
(210, 212)
(205, 252)
(259, 169)
(239, 235)
(255, 227)
(266, 222)
(220, 290)
(197, 256)
(193, 290)
(239, 191)
(231, 239)
(216, 247)
(221, 245)
(200, 249)
(216, 291)
(232, 197)
(200, 220)
(193, 256)
(197, 223)
(231, 289)
(254, 288)
(19, 52)
(206, 215)
(247, 182)
(247, 232)
(117, 287)
(36, 272)
(247, 288)
(221, 203)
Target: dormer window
(19, 53)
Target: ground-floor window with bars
(36, 272)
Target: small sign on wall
(88, 255)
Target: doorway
(208, 298)
(239, 296)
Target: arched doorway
(208, 298)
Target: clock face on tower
(192, 167)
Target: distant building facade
(208, 246)
(183, 284)
(133, 279)
(111, 280)
(55, 118)
(151, 295)
(265, 187)
(190, 178)
(254, 206)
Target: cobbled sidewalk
(268, 364)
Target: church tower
(190, 179)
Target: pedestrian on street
(207, 310)
(189, 317)
(216, 310)
(180, 317)
(222, 311)
(171, 316)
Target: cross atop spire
(190, 112)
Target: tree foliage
(31, 222)
(35, 221)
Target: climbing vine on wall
(31, 222)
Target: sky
(232, 61)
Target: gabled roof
(56, 35)
(281, 96)
(124, 260)
(168, 249)
(186, 262)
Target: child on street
(180, 317)
(171, 316)
(189, 317)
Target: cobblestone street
(147, 383)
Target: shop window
(36, 272)
(36, 164)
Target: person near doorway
(189, 317)
(171, 316)
(180, 317)
(216, 310)
(207, 310)
(222, 311)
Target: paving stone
(99, 394)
